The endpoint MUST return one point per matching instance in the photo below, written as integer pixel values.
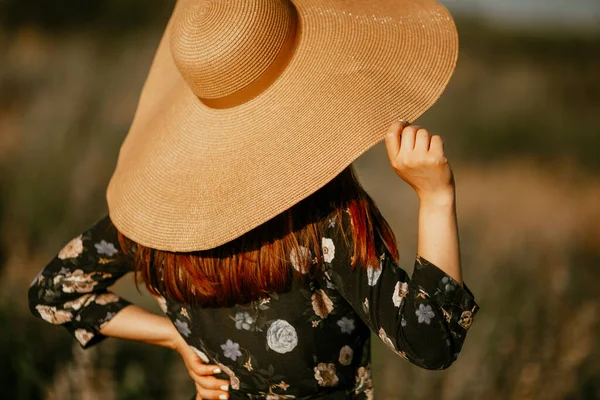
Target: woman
(271, 289)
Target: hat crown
(223, 46)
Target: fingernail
(403, 121)
(217, 370)
(225, 387)
(223, 396)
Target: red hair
(256, 263)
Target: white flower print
(321, 303)
(300, 258)
(243, 320)
(52, 315)
(328, 249)
(282, 337)
(83, 336)
(106, 248)
(346, 325)
(72, 249)
(373, 275)
(184, 312)
(162, 303)
(365, 306)
(384, 337)
(234, 381)
(200, 354)
(82, 301)
(346, 354)
(448, 284)
(363, 379)
(325, 374)
(424, 313)
(75, 282)
(400, 291)
(182, 327)
(231, 349)
(106, 298)
(331, 221)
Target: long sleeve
(72, 289)
(424, 319)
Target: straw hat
(252, 105)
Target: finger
(210, 382)
(422, 140)
(211, 394)
(436, 146)
(204, 369)
(408, 138)
(392, 138)
(198, 397)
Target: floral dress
(312, 342)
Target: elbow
(33, 298)
(439, 361)
(433, 354)
(42, 309)
(37, 305)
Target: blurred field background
(521, 125)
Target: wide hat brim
(192, 177)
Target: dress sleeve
(423, 319)
(72, 289)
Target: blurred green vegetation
(520, 126)
(71, 15)
(532, 93)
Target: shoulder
(102, 229)
(105, 236)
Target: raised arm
(424, 318)
(418, 158)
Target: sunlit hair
(258, 262)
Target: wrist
(171, 338)
(441, 198)
(177, 343)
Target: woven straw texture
(252, 105)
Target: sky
(569, 13)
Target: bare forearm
(438, 233)
(135, 323)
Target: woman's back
(309, 342)
(227, 136)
